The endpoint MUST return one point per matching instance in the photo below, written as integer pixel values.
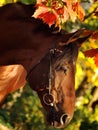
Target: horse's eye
(63, 69)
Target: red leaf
(48, 18)
(87, 32)
(91, 52)
(60, 11)
(47, 14)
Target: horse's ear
(79, 41)
(77, 37)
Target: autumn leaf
(96, 60)
(48, 17)
(92, 53)
(47, 14)
(60, 11)
(71, 12)
(87, 32)
(79, 10)
(65, 15)
(57, 12)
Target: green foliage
(28, 1)
(22, 111)
(91, 21)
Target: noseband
(48, 98)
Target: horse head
(53, 78)
(24, 41)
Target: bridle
(48, 98)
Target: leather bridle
(48, 98)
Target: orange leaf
(79, 10)
(75, 6)
(96, 60)
(65, 15)
(69, 9)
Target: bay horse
(31, 51)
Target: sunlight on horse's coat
(12, 77)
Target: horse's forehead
(67, 62)
(68, 75)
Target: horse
(31, 51)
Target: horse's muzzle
(58, 119)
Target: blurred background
(22, 109)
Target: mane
(12, 77)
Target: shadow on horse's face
(53, 80)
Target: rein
(48, 98)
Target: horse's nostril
(58, 120)
(63, 119)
